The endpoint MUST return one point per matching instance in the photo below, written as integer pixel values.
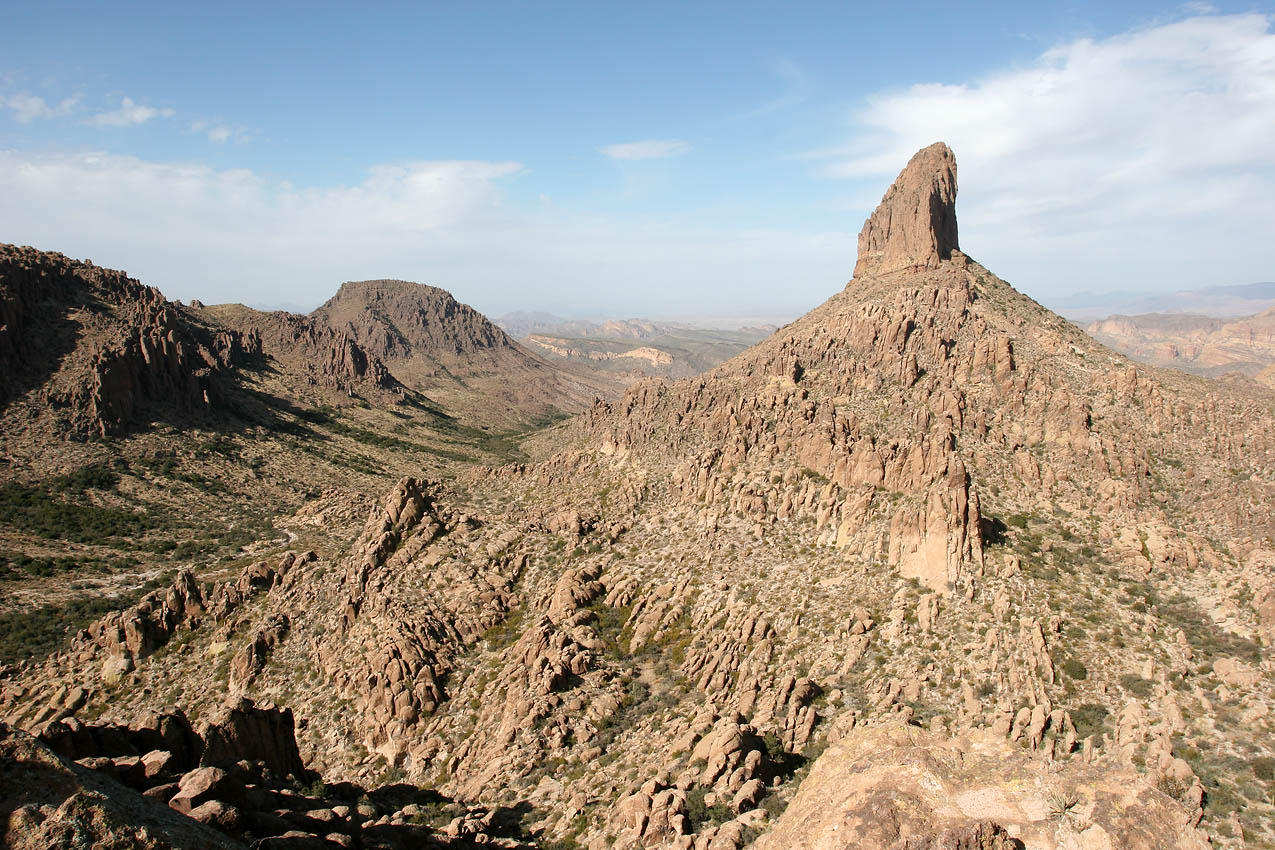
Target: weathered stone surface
(244, 730)
(200, 786)
(897, 786)
(915, 225)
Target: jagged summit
(914, 226)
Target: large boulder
(242, 730)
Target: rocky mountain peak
(914, 226)
(396, 318)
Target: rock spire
(914, 227)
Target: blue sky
(632, 159)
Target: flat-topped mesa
(914, 227)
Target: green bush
(1076, 670)
(1136, 685)
(95, 477)
(35, 633)
(698, 813)
(1089, 718)
(37, 511)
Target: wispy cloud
(130, 113)
(1116, 150)
(28, 107)
(219, 133)
(646, 149)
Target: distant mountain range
(1223, 302)
(636, 347)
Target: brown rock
(915, 225)
(244, 730)
(199, 786)
(216, 813)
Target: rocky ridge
(139, 354)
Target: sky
(656, 159)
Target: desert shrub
(1075, 669)
(33, 633)
(559, 844)
(1089, 718)
(94, 477)
(26, 566)
(699, 813)
(35, 510)
(1136, 685)
(1201, 631)
(1172, 785)
(993, 531)
(506, 632)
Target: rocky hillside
(1198, 344)
(433, 343)
(669, 352)
(928, 567)
(91, 351)
(140, 436)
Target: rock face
(242, 730)
(915, 225)
(897, 786)
(47, 801)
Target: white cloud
(129, 114)
(1142, 160)
(648, 149)
(234, 235)
(28, 107)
